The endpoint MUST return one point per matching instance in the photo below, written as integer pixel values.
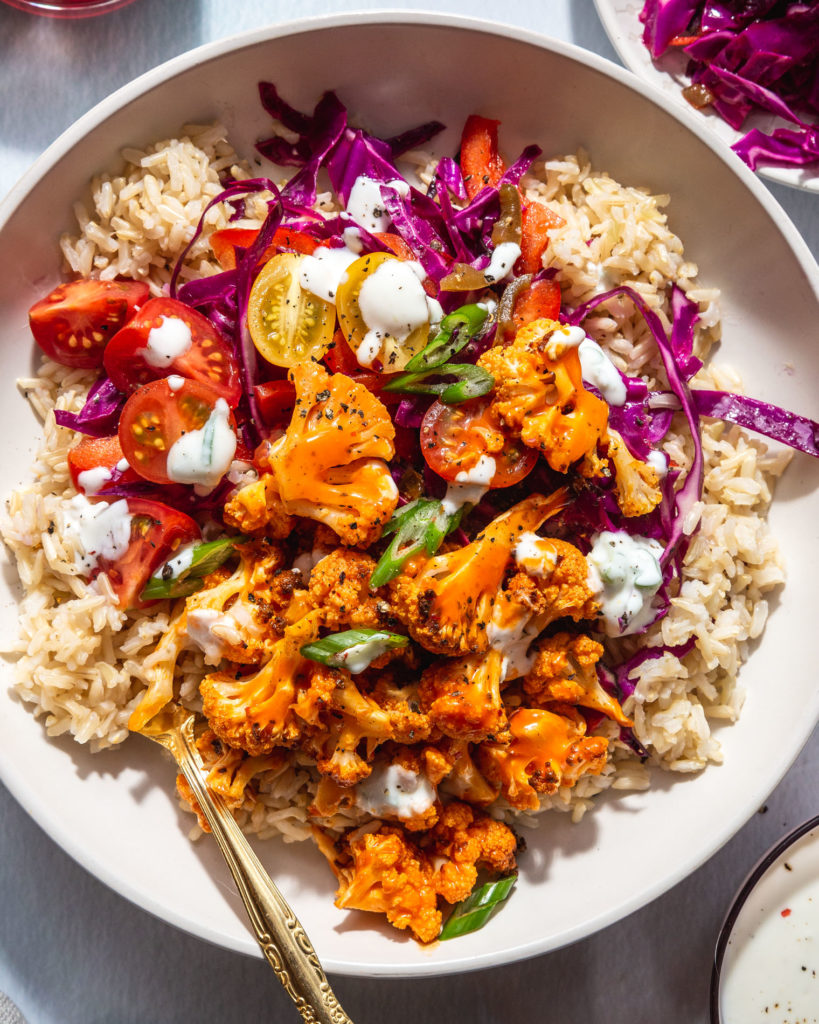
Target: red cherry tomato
(454, 437)
(156, 416)
(74, 323)
(276, 400)
(133, 358)
(157, 530)
(99, 453)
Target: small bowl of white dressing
(766, 964)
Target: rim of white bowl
(17, 784)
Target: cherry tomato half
(157, 531)
(167, 337)
(156, 416)
(390, 351)
(454, 437)
(339, 357)
(74, 323)
(98, 453)
(288, 324)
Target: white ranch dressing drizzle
(202, 457)
(536, 555)
(513, 643)
(600, 371)
(366, 205)
(393, 303)
(175, 382)
(624, 571)
(211, 630)
(470, 486)
(504, 257)
(167, 342)
(175, 566)
(322, 272)
(360, 656)
(561, 340)
(394, 791)
(94, 479)
(123, 465)
(98, 530)
(659, 462)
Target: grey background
(74, 952)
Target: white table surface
(74, 952)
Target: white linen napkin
(9, 1014)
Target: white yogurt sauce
(394, 791)
(503, 259)
(513, 643)
(122, 465)
(98, 530)
(393, 304)
(202, 457)
(93, 480)
(659, 462)
(624, 571)
(175, 566)
(561, 340)
(366, 206)
(325, 270)
(470, 486)
(536, 555)
(600, 371)
(167, 342)
(360, 656)
(175, 382)
(211, 630)
(770, 970)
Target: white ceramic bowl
(115, 812)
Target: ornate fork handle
(278, 931)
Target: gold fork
(277, 929)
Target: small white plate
(621, 20)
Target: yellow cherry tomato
(383, 311)
(288, 324)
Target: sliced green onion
(204, 560)
(473, 913)
(472, 382)
(354, 649)
(455, 331)
(419, 526)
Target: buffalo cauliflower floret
(463, 840)
(548, 750)
(256, 712)
(340, 588)
(559, 588)
(462, 696)
(330, 465)
(565, 670)
(384, 872)
(464, 781)
(539, 394)
(359, 723)
(636, 484)
(399, 789)
(231, 774)
(257, 506)
(447, 601)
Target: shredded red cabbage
(100, 414)
(745, 56)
